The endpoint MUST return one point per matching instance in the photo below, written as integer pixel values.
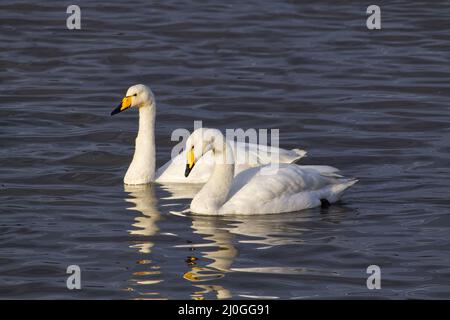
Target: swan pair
(256, 186)
(142, 167)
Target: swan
(142, 167)
(258, 190)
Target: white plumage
(261, 190)
(142, 167)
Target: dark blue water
(373, 103)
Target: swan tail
(325, 171)
(332, 174)
(299, 153)
(338, 189)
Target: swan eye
(135, 95)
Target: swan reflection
(181, 191)
(210, 263)
(219, 253)
(145, 226)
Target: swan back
(288, 188)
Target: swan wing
(249, 155)
(291, 187)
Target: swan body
(142, 167)
(259, 190)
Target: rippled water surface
(373, 103)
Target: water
(374, 104)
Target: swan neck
(147, 122)
(142, 167)
(215, 192)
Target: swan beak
(187, 171)
(190, 162)
(124, 105)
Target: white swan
(142, 167)
(261, 190)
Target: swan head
(137, 96)
(200, 142)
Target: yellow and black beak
(190, 162)
(124, 105)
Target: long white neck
(215, 192)
(142, 167)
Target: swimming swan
(259, 190)
(142, 167)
